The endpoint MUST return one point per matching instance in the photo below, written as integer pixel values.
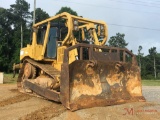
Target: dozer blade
(100, 83)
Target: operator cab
(57, 33)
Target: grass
(150, 82)
(8, 79)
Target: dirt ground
(18, 106)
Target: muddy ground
(18, 106)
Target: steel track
(49, 70)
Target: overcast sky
(139, 20)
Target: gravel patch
(151, 93)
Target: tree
(21, 13)
(153, 52)
(140, 55)
(118, 41)
(158, 65)
(21, 16)
(67, 9)
(40, 15)
(6, 43)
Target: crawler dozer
(67, 61)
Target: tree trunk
(140, 62)
(155, 68)
(21, 36)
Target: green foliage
(10, 34)
(40, 15)
(11, 21)
(152, 54)
(20, 10)
(67, 9)
(139, 55)
(118, 41)
(21, 16)
(152, 51)
(6, 43)
(148, 68)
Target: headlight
(102, 27)
(75, 24)
(76, 28)
(21, 52)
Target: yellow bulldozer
(67, 61)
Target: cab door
(51, 48)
